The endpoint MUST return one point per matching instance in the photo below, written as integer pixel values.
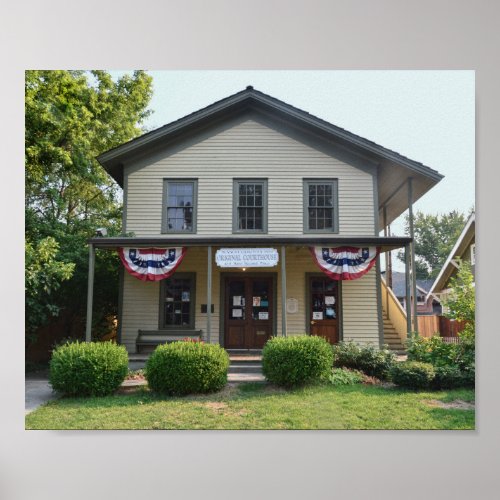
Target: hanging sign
(345, 263)
(246, 257)
(151, 264)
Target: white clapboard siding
(248, 149)
(359, 298)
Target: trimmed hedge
(88, 368)
(298, 360)
(368, 359)
(187, 367)
(413, 374)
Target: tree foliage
(44, 275)
(461, 300)
(435, 236)
(70, 118)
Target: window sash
(250, 206)
(179, 206)
(320, 205)
(177, 302)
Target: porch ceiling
(385, 243)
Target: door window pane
(323, 300)
(260, 300)
(236, 309)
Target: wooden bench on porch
(154, 338)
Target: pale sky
(427, 116)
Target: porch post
(412, 235)
(388, 271)
(209, 293)
(90, 293)
(283, 291)
(387, 256)
(408, 296)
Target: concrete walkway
(37, 391)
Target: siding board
(248, 149)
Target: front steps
(245, 365)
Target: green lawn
(260, 406)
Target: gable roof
(399, 284)
(395, 200)
(464, 240)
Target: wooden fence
(428, 326)
(450, 328)
(439, 325)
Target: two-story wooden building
(247, 206)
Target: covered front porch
(240, 308)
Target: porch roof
(386, 243)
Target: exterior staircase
(394, 317)
(391, 336)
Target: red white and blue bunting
(151, 264)
(345, 263)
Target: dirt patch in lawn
(216, 405)
(223, 408)
(457, 404)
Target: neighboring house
(255, 201)
(465, 250)
(426, 304)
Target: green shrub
(448, 377)
(432, 350)
(370, 360)
(88, 368)
(413, 374)
(454, 363)
(465, 352)
(187, 367)
(299, 360)
(344, 376)
(469, 377)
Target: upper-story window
(473, 254)
(179, 205)
(250, 205)
(320, 205)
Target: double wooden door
(324, 308)
(249, 312)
